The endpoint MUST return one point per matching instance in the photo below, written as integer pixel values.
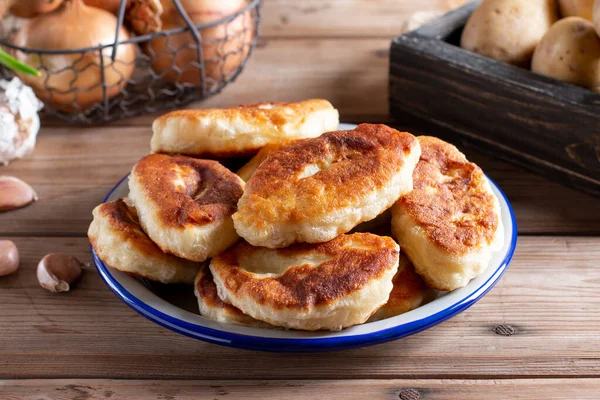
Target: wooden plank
(549, 296)
(63, 210)
(404, 389)
(352, 74)
(341, 18)
(72, 169)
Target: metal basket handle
(120, 18)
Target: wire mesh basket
(140, 74)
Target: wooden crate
(542, 124)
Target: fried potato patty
(185, 204)
(242, 130)
(317, 189)
(251, 166)
(450, 224)
(328, 286)
(120, 242)
(409, 292)
(213, 308)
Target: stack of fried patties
(288, 242)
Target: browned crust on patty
(221, 155)
(408, 286)
(210, 191)
(446, 186)
(363, 160)
(256, 113)
(207, 291)
(227, 131)
(409, 292)
(250, 167)
(125, 221)
(304, 287)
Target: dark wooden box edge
(549, 127)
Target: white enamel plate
(145, 299)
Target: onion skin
(33, 8)
(112, 6)
(144, 16)
(64, 29)
(201, 12)
(141, 16)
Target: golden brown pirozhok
(409, 292)
(317, 189)
(120, 242)
(329, 285)
(185, 204)
(242, 130)
(212, 307)
(450, 223)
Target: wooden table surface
(87, 344)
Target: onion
(112, 6)
(76, 78)
(141, 16)
(32, 8)
(221, 57)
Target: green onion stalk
(15, 65)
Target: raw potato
(508, 30)
(570, 52)
(576, 8)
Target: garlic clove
(14, 193)
(9, 257)
(57, 272)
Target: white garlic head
(19, 120)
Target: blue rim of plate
(249, 342)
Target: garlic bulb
(19, 120)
